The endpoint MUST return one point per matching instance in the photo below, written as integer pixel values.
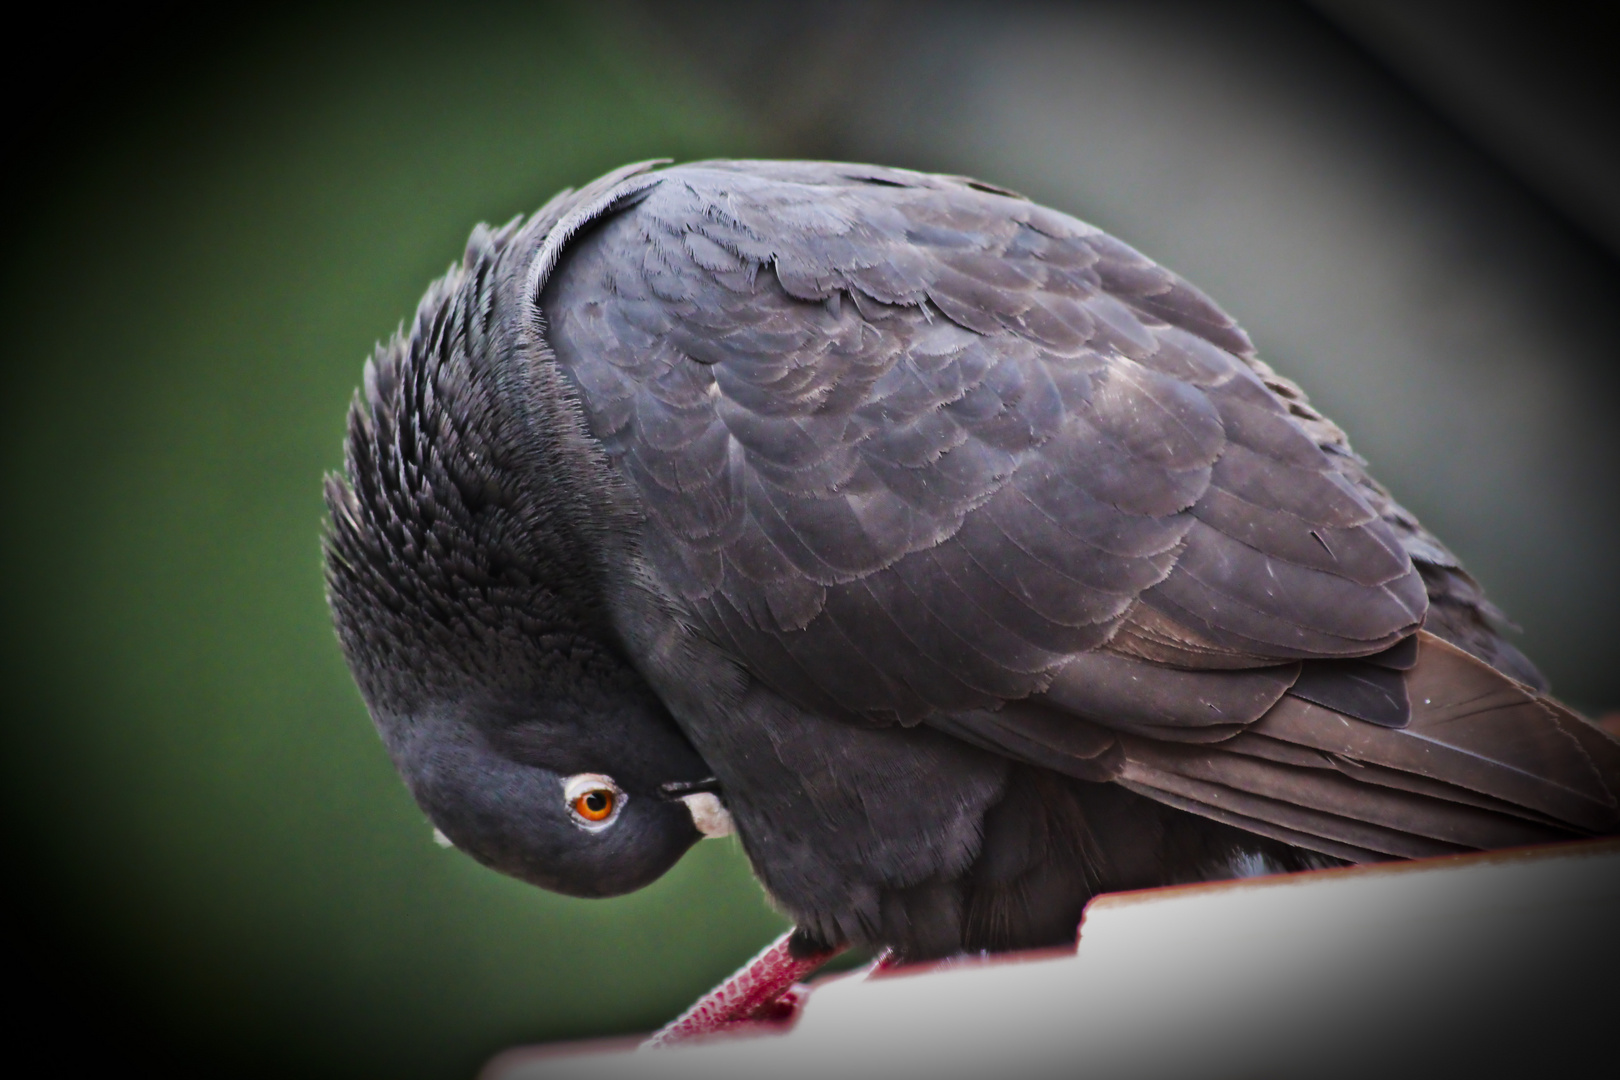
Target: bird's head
(588, 805)
(461, 565)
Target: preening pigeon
(962, 558)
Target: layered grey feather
(875, 415)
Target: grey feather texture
(979, 558)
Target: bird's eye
(595, 805)
(593, 799)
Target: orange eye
(596, 804)
(593, 799)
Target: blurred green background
(213, 865)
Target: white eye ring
(580, 785)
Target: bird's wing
(907, 444)
(915, 449)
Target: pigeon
(960, 560)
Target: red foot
(762, 992)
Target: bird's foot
(764, 992)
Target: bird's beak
(680, 789)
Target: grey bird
(962, 559)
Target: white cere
(709, 814)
